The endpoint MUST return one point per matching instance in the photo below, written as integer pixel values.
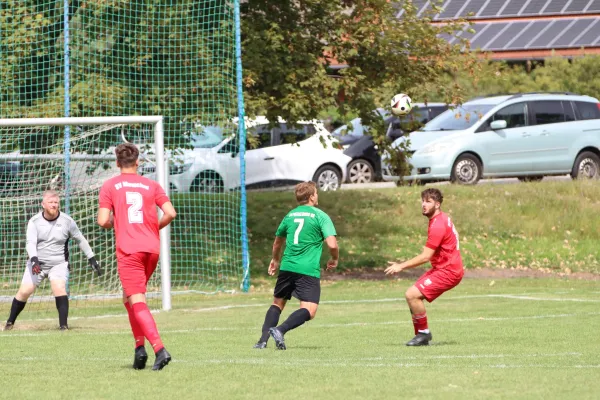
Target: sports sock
(15, 310)
(146, 322)
(62, 305)
(420, 323)
(138, 334)
(271, 320)
(295, 319)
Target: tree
(290, 46)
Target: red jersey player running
(133, 200)
(442, 250)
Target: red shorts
(437, 281)
(135, 271)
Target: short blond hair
(304, 190)
(50, 193)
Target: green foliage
(127, 57)
(288, 47)
(580, 75)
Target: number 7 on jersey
(300, 222)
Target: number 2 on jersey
(300, 222)
(134, 213)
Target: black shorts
(303, 287)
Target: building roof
(525, 29)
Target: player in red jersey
(133, 199)
(443, 251)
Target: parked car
(527, 135)
(276, 155)
(366, 162)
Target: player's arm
(334, 252)
(76, 234)
(105, 218)
(168, 216)
(421, 259)
(276, 254)
(31, 247)
(435, 235)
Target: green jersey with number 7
(305, 228)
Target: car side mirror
(498, 124)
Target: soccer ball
(401, 104)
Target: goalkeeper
(48, 234)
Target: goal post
(161, 167)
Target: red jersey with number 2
(133, 200)
(442, 237)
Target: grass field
(551, 226)
(513, 338)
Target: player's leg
(308, 291)
(415, 298)
(271, 320)
(136, 293)
(28, 285)
(141, 357)
(281, 294)
(58, 276)
(428, 287)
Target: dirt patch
(477, 273)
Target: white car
(275, 156)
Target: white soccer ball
(401, 104)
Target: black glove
(94, 264)
(36, 268)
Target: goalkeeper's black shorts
(303, 287)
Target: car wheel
(534, 178)
(467, 170)
(207, 182)
(360, 171)
(328, 178)
(587, 166)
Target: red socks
(420, 322)
(148, 326)
(138, 334)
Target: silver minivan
(527, 135)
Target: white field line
(361, 301)
(310, 326)
(438, 361)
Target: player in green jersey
(303, 230)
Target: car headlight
(179, 168)
(435, 148)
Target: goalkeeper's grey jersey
(49, 240)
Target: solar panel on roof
(505, 37)
(527, 34)
(595, 6)
(487, 34)
(544, 40)
(472, 6)
(513, 7)
(451, 8)
(491, 9)
(577, 5)
(555, 6)
(534, 7)
(570, 34)
(590, 36)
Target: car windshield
(207, 137)
(460, 118)
(357, 129)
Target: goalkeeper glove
(36, 269)
(94, 264)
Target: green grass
(518, 339)
(547, 225)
